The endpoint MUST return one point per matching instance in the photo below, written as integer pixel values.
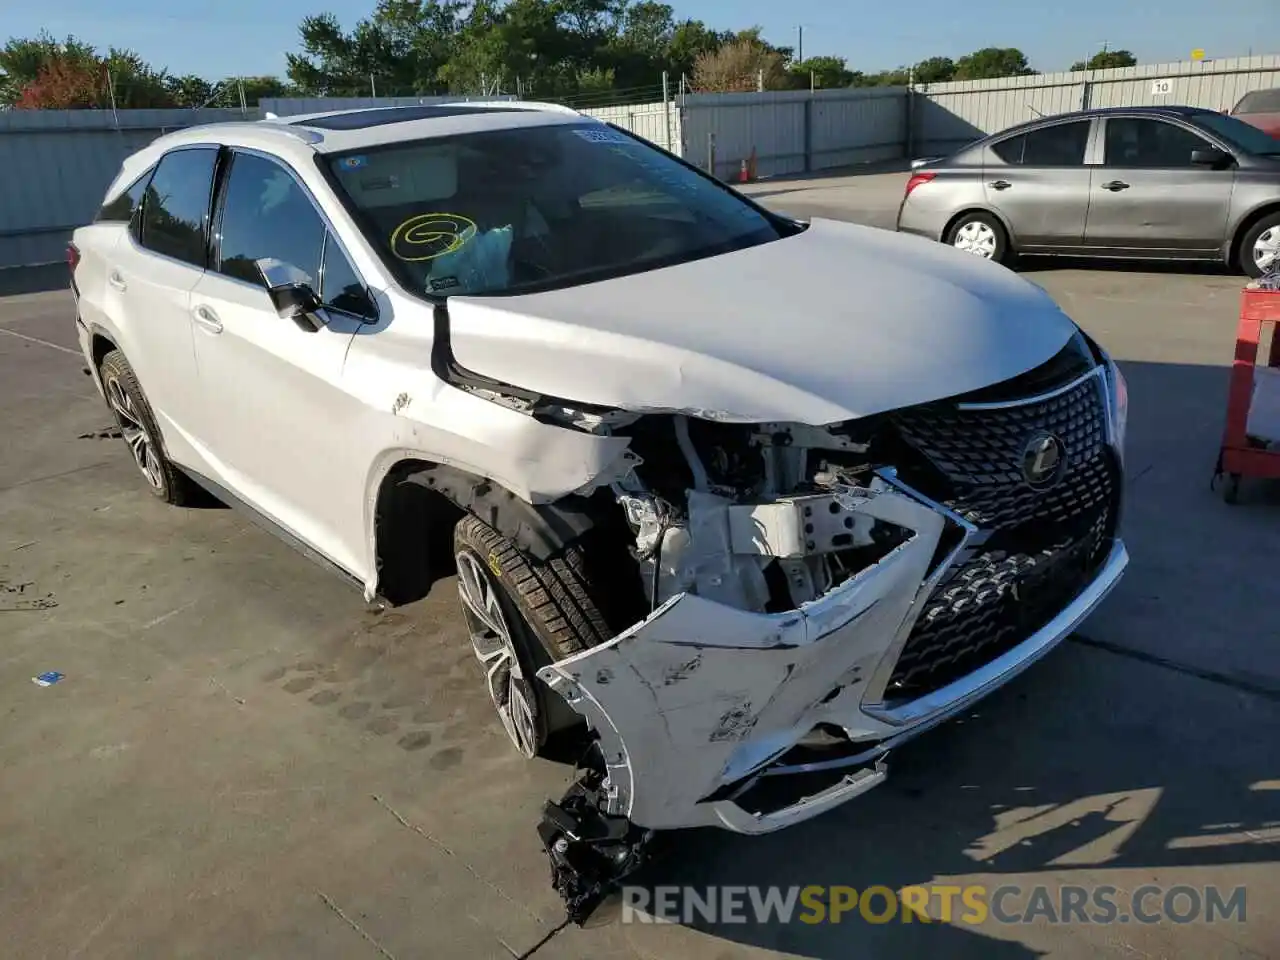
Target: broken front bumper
(695, 706)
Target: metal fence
(794, 131)
(949, 115)
(58, 163)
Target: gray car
(1150, 182)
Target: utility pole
(800, 44)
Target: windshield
(1239, 134)
(533, 208)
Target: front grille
(979, 453)
(1041, 546)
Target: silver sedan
(1148, 182)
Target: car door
(1038, 182)
(152, 272)
(272, 400)
(1148, 196)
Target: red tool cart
(1242, 455)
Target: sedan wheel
(1266, 250)
(495, 647)
(979, 234)
(977, 238)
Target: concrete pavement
(244, 761)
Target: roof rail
(533, 105)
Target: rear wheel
(138, 429)
(979, 234)
(1260, 248)
(523, 613)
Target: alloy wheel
(1266, 249)
(977, 238)
(134, 432)
(491, 639)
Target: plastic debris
(47, 679)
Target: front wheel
(1260, 248)
(523, 613)
(981, 235)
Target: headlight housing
(1117, 405)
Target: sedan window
(1137, 143)
(1061, 145)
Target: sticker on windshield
(430, 235)
(601, 134)
(354, 163)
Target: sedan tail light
(73, 257)
(918, 180)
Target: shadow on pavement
(40, 279)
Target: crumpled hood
(837, 322)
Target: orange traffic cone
(751, 165)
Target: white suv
(754, 497)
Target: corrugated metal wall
(793, 131)
(657, 122)
(949, 115)
(57, 164)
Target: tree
(992, 62)
(935, 70)
(1106, 60)
(740, 65)
(689, 40)
(824, 73)
(64, 83)
(22, 59)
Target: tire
(1263, 234)
(523, 614)
(979, 234)
(138, 428)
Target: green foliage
(585, 51)
(1106, 60)
(991, 62)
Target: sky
(220, 38)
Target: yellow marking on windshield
(427, 236)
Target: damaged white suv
(757, 499)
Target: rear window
(1259, 101)
(122, 208)
(534, 208)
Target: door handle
(207, 319)
(1000, 184)
(116, 280)
(1115, 186)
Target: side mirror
(1211, 157)
(291, 292)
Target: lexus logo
(1042, 460)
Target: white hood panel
(840, 321)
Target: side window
(1061, 145)
(340, 285)
(123, 207)
(1138, 143)
(1010, 151)
(175, 215)
(265, 213)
